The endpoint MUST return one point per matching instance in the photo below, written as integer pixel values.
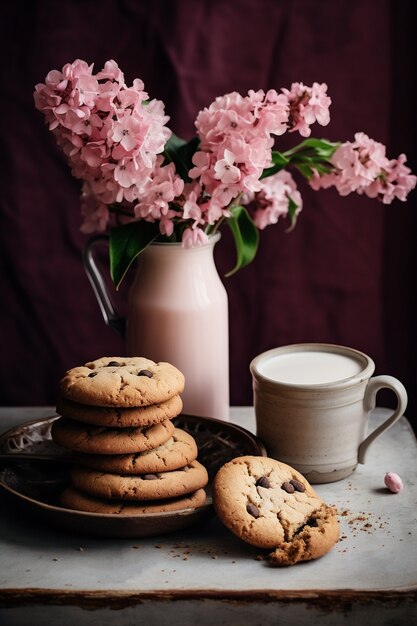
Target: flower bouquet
(145, 184)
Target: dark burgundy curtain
(345, 275)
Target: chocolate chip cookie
(178, 451)
(122, 382)
(120, 417)
(71, 498)
(101, 440)
(270, 505)
(154, 486)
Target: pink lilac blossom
(272, 201)
(306, 106)
(156, 196)
(236, 138)
(110, 137)
(96, 215)
(194, 237)
(362, 166)
(113, 137)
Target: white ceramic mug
(312, 403)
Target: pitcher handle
(108, 310)
(375, 384)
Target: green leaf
(180, 152)
(319, 147)
(292, 212)
(279, 162)
(305, 170)
(126, 242)
(246, 237)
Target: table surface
(376, 553)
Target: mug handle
(375, 384)
(108, 310)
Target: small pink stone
(393, 482)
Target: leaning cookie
(120, 417)
(100, 440)
(178, 451)
(122, 382)
(72, 498)
(158, 486)
(270, 505)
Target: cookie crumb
(259, 557)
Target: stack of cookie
(116, 418)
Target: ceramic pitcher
(177, 312)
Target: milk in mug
(310, 368)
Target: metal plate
(36, 485)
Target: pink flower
(96, 214)
(201, 160)
(95, 153)
(396, 181)
(317, 108)
(272, 201)
(306, 106)
(126, 172)
(194, 237)
(191, 210)
(225, 170)
(114, 137)
(112, 140)
(87, 87)
(362, 166)
(162, 187)
(112, 72)
(270, 111)
(128, 134)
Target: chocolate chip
(252, 510)
(263, 481)
(145, 373)
(297, 485)
(92, 374)
(149, 477)
(113, 364)
(288, 487)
